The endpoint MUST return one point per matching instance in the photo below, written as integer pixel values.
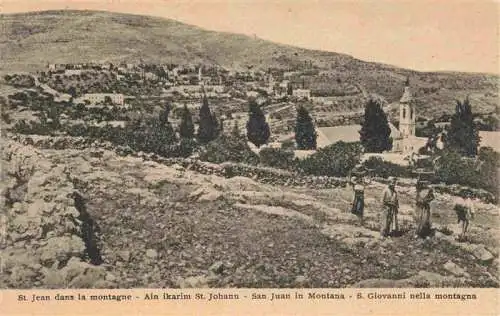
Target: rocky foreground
(89, 218)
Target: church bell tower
(407, 113)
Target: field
(154, 225)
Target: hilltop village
(336, 109)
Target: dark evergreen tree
(72, 91)
(186, 128)
(462, 135)
(375, 131)
(305, 132)
(208, 127)
(258, 131)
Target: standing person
(464, 209)
(423, 209)
(358, 203)
(390, 206)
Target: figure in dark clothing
(425, 195)
(358, 203)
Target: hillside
(87, 217)
(31, 40)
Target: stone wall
(258, 173)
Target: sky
(423, 35)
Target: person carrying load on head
(464, 209)
(358, 203)
(390, 206)
(425, 195)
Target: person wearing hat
(390, 206)
(425, 195)
(358, 202)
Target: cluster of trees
(20, 80)
(462, 135)
(461, 160)
(76, 85)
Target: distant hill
(31, 40)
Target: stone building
(404, 139)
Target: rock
(22, 275)
(37, 267)
(210, 196)
(300, 280)
(110, 277)
(217, 267)
(205, 194)
(382, 283)
(177, 167)
(454, 269)
(193, 282)
(434, 279)
(53, 279)
(61, 248)
(151, 253)
(124, 255)
(483, 255)
(79, 274)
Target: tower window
(404, 112)
(411, 113)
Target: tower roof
(406, 96)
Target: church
(404, 140)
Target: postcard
(249, 157)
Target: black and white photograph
(249, 144)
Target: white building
(215, 88)
(302, 93)
(72, 72)
(95, 98)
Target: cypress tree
(375, 131)
(462, 135)
(208, 129)
(258, 131)
(186, 128)
(305, 133)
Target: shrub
(479, 173)
(462, 135)
(488, 170)
(6, 117)
(452, 169)
(288, 144)
(32, 128)
(277, 158)
(334, 160)
(186, 147)
(385, 169)
(226, 148)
